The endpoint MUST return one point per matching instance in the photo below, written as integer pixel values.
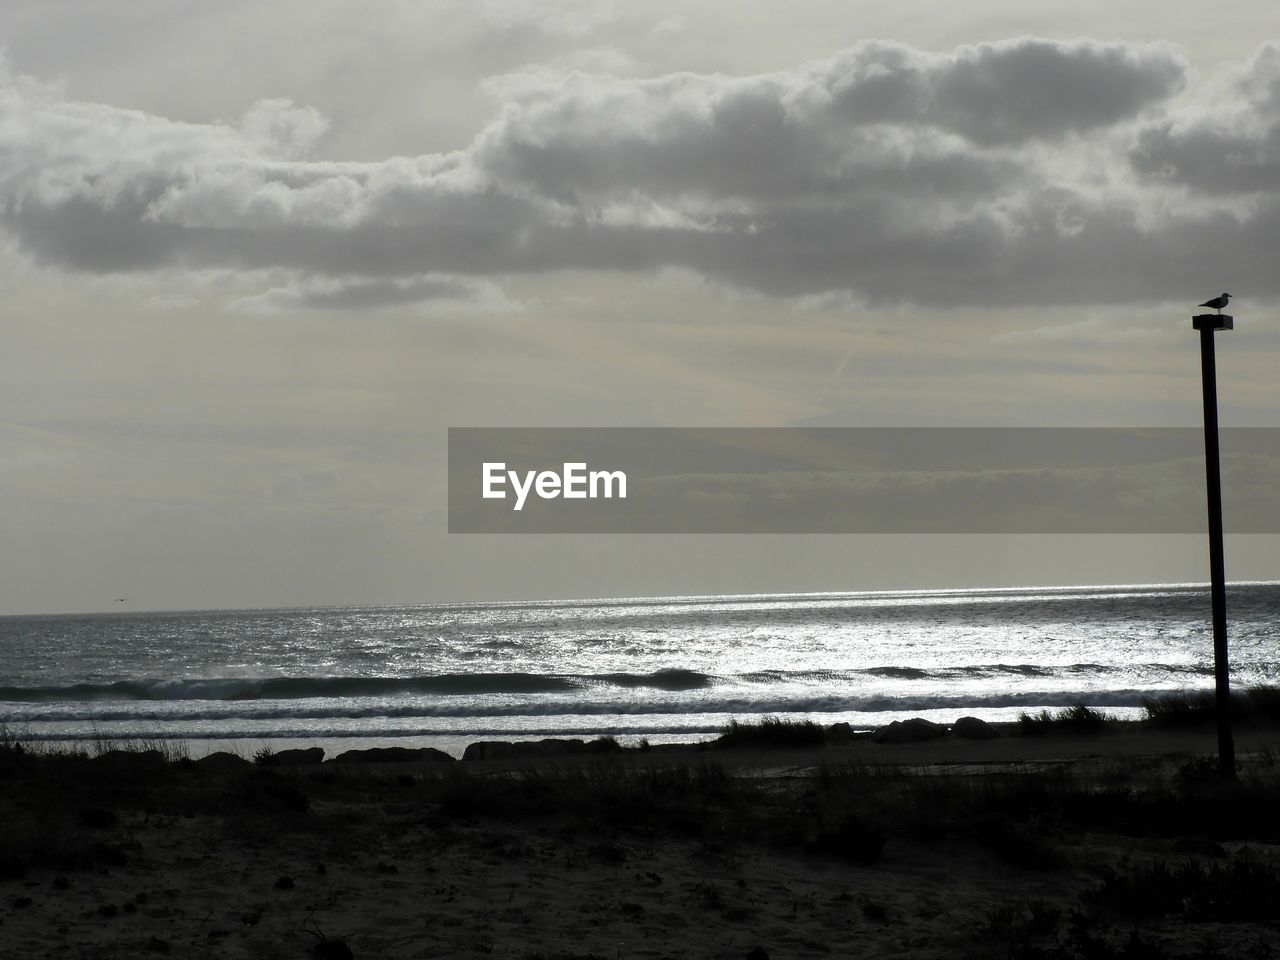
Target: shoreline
(1112, 737)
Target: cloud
(1094, 330)
(1230, 145)
(556, 18)
(278, 127)
(1008, 92)
(1022, 172)
(365, 293)
(669, 27)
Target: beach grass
(772, 732)
(1140, 856)
(1257, 704)
(1076, 719)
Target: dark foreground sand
(1116, 845)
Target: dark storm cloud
(995, 174)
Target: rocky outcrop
(974, 728)
(393, 755)
(488, 750)
(910, 731)
(839, 733)
(537, 749)
(133, 762)
(294, 758)
(222, 762)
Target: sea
(667, 669)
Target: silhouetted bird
(1217, 302)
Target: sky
(256, 259)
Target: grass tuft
(1077, 719)
(772, 732)
(1260, 704)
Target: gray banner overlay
(856, 480)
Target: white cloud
(1228, 145)
(993, 174)
(279, 128)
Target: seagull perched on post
(1217, 302)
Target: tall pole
(1208, 324)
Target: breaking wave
(471, 684)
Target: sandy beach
(1122, 844)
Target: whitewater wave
(570, 706)
(463, 684)
(302, 688)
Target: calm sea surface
(666, 669)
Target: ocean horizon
(665, 669)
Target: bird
(1217, 302)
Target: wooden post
(1208, 324)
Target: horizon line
(651, 598)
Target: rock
(839, 731)
(284, 883)
(133, 762)
(523, 749)
(294, 758)
(488, 750)
(551, 748)
(973, 728)
(393, 755)
(222, 762)
(757, 953)
(910, 731)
